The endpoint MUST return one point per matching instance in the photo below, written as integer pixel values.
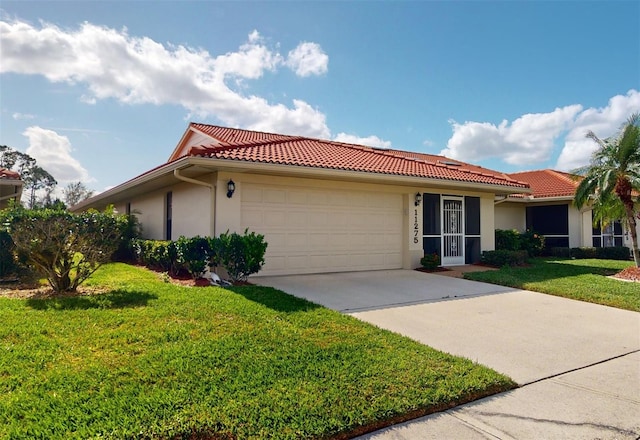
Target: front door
(452, 231)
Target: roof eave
(294, 171)
(348, 175)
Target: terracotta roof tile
(548, 183)
(252, 146)
(8, 174)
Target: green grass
(153, 360)
(584, 280)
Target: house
(323, 206)
(10, 187)
(549, 210)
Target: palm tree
(612, 176)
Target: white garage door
(312, 230)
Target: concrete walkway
(578, 363)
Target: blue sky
(102, 91)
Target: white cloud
(308, 59)
(528, 139)
(604, 122)
(53, 153)
(17, 116)
(372, 141)
(135, 70)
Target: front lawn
(585, 280)
(149, 359)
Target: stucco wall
(191, 210)
(149, 209)
(510, 216)
(576, 228)
(487, 223)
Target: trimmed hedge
(560, 252)
(613, 253)
(602, 253)
(239, 255)
(503, 257)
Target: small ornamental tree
(66, 247)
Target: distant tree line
(39, 184)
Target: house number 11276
(416, 227)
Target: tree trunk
(631, 220)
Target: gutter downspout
(177, 175)
(497, 202)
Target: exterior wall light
(231, 188)
(418, 199)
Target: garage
(315, 230)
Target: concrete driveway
(578, 363)
(349, 292)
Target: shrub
(613, 253)
(129, 232)
(241, 255)
(158, 254)
(7, 263)
(507, 239)
(66, 247)
(580, 253)
(560, 252)
(193, 254)
(532, 242)
(503, 257)
(430, 261)
(512, 240)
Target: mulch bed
(437, 269)
(629, 274)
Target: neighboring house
(322, 206)
(549, 210)
(10, 187)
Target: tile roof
(8, 174)
(547, 183)
(252, 146)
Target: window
(472, 230)
(169, 215)
(552, 221)
(609, 236)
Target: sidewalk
(597, 402)
(578, 365)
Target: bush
(158, 254)
(194, 254)
(129, 232)
(503, 257)
(430, 261)
(507, 239)
(532, 242)
(7, 263)
(66, 247)
(512, 240)
(580, 253)
(241, 255)
(613, 253)
(560, 252)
